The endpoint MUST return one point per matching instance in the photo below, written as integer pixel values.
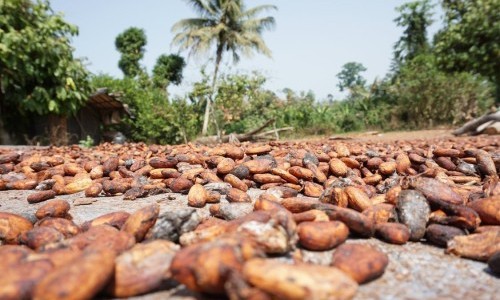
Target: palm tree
(227, 26)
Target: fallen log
(472, 125)
(252, 135)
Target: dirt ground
(415, 270)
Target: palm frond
(259, 25)
(254, 11)
(203, 8)
(192, 24)
(226, 23)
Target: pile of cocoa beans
(444, 192)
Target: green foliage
(87, 142)
(350, 76)
(38, 72)
(414, 17)
(168, 69)
(156, 120)
(130, 44)
(427, 96)
(470, 40)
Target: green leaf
(52, 105)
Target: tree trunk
(206, 118)
(58, 129)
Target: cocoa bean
(236, 195)
(159, 163)
(109, 165)
(393, 233)
(82, 279)
(114, 219)
(171, 225)
(478, 246)
(18, 282)
(439, 235)
(485, 163)
(141, 221)
(64, 226)
(321, 236)
(41, 196)
(197, 196)
(434, 190)
(181, 185)
(494, 263)
(302, 281)
(205, 267)
(38, 237)
(12, 226)
(53, 209)
(143, 268)
(413, 211)
(235, 182)
(362, 263)
(488, 209)
(94, 190)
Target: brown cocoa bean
(362, 263)
(181, 185)
(478, 246)
(53, 209)
(302, 281)
(485, 163)
(488, 209)
(143, 268)
(235, 182)
(18, 282)
(393, 233)
(82, 279)
(67, 227)
(38, 237)
(236, 195)
(439, 235)
(357, 199)
(141, 221)
(312, 189)
(41, 196)
(205, 267)
(197, 196)
(12, 226)
(167, 162)
(494, 263)
(321, 236)
(100, 237)
(110, 165)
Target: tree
(350, 76)
(38, 73)
(414, 17)
(226, 25)
(470, 40)
(130, 44)
(168, 69)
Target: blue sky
(311, 42)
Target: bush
(427, 97)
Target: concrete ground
(415, 271)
